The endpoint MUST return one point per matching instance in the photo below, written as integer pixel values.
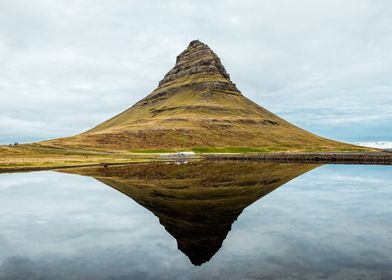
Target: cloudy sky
(67, 65)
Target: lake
(199, 220)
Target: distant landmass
(196, 106)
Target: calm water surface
(198, 221)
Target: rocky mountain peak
(197, 59)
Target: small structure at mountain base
(177, 155)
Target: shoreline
(366, 158)
(103, 164)
(377, 158)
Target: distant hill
(196, 105)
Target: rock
(198, 58)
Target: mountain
(198, 202)
(197, 105)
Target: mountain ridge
(197, 105)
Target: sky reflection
(330, 223)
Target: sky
(67, 65)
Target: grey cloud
(92, 59)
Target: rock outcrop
(197, 61)
(198, 58)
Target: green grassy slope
(196, 106)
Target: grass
(34, 157)
(201, 150)
(232, 150)
(155, 151)
(236, 150)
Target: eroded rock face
(198, 58)
(197, 69)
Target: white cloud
(317, 63)
(379, 144)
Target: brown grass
(34, 156)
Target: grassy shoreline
(30, 157)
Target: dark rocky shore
(332, 158)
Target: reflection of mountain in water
(197, 202)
